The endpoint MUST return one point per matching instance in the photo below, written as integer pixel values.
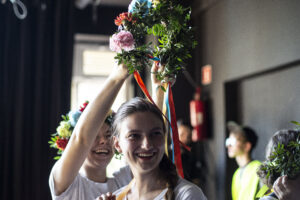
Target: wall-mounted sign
(206, 74)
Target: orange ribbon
(173, 123)
(175, 136)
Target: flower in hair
(74, 116)
(64, 129)
(60, 139)
(61, 143)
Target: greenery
(168, 22)
(284, 160)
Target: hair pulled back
(137, 104)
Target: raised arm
(157, 92)
(67, 167)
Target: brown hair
(137, 104)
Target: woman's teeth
(102, 151)
(145, 154)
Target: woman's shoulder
(123, 176)
(188, 190)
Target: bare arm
(67, 167)
(157, 92)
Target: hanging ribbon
(142, 85)
(169, 117)
(124, 193)
(175, 136)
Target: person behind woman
(139, 133)
(283, 187)
(81, 171)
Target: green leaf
(56, 158)
(179, 59)
(295, 122)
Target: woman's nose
(103, 140)
(146, 143)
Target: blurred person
(193, 161)
(80, 173)
(240, 144)
(282, 187)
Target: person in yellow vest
(240, 143)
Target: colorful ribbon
(175, 136)
(172, 116)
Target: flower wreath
(60, 139)
(284, 159)
(167, 20)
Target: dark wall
(240, 38)
(103, 24)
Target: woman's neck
(94, 174)
(147, 186)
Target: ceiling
(115, 2)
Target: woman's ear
(116, 144)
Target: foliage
(168, 22)
(284, 160)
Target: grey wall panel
(240, 38)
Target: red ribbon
(175, 136)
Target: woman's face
(101, 152)
(141, 140)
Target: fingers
(278, 187)
(107, 196)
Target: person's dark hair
(247, 133)
(280, 137)
(137, 104)
(181, 122)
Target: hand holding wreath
(168, 21)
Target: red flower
(61, 143)
(124, 16)
(84, 105)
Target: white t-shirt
(184, 190)
(83, 188)
(268, 198)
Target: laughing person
(139, 133)
(80, 173)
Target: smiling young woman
(139, 131)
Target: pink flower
(122, 40)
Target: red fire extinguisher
(197, 114)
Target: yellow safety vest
(245, 182)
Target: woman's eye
(157, 133)
(134, 136)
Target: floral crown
(284, 159)
(168, 21)
(60, 139)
